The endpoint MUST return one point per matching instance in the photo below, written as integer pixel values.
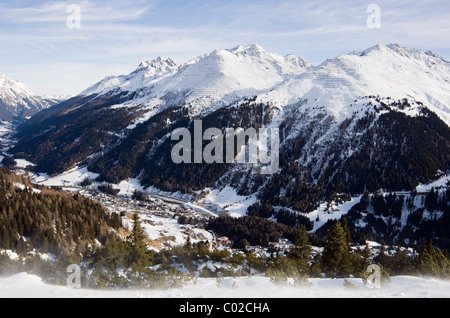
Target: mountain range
(355, 125)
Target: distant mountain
(17, 102)
(355, 124)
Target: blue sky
(39, 49)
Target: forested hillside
(37, 219)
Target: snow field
(24, 285)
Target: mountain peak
(158, 67)
(158, 62)
(404, 51)
(17, 101)
(395, 48)
(147, 72)
(379, 48)
(13, 86)
(251, 49)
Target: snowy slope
(385, 71)
(29, 286)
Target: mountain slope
(17, 102)
(296, 96)
(364, 121)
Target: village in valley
(168, 222)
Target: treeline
(128, 157)
(394, 151)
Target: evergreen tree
(187, 244)
(348, 235)
(139, 256)
(336, 257)
(399, 262)
(433, 262)
(361, 259)
(381, 258)
(302, 249)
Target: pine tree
(348, 235)
(336, 257)
(381, 258)
(302, 249)
(139, 256)
(400, 262)
(188, 245)
(433, 262)
(361, 260)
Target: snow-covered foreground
(29, 286)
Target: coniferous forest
(51, 220)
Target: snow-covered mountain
(17, 102)
(385, 71)
(224, 76)
(147, 73)
(359, 122)
(218, 78)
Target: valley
(361, 172)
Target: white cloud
(48, 12)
